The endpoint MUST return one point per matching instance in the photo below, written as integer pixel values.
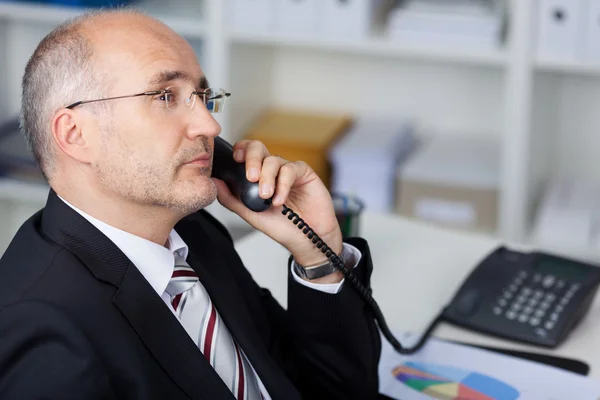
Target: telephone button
(523, 318)
(558, 309)
(540, 313)
(502, 302)
(522, 274)
(511, 315)
(560, 284)
(548, 281)
(541, 332)
(497, 310)
(533, 302)
(534, 321)
(549, 325)
(468, 302)
(521, 299)
(526, 290)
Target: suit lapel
(154, 323)
(214, 275)
(167, 340)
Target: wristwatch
(315, 271)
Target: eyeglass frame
(147, 93)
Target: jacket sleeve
(337, 341)
(43, 355)
(329, 344)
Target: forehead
(132, 50)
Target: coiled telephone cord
(363, 291)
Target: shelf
(23, 192)
(549, 64)
(380, 47)
(56, 14)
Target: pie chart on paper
(448, 383)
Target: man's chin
(197, 195)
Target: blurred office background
(477, 115)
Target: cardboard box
(453, 182)
(301, 136)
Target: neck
(149, 222)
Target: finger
(255, 153)
(268, 175)
(227, 199)
(288, 174)
(239, 150)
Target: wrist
(324, 272)
(309, 255)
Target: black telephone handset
(535, 298)
(234, 175)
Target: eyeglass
(174, 97)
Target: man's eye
(168, 97)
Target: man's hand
(295, 184)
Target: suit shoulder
(25, 261)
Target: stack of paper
(364, 161)
(569, 215)
(457, 22)
(443, 370)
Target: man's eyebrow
(203, 83)
(164, 77)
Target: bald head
(83, 59)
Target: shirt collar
(155, 262)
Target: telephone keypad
(537, 301)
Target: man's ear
(68, 135)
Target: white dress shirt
(156, 262)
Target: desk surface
(417, 270)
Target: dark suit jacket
(79, 321)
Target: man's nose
(202, 123)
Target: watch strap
(316, 271)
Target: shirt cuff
(351, 257)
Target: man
(123, 286)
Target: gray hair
(60, 72)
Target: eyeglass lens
(214, 100)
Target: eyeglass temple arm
(151, 93)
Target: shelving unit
(530, 103)
(54, 15)
(378, 47)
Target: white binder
(347, 18)
(297, 18)
(560, 29)
(592, 30)
(251, 16)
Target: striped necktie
(202, 322)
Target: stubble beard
(147, 184)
